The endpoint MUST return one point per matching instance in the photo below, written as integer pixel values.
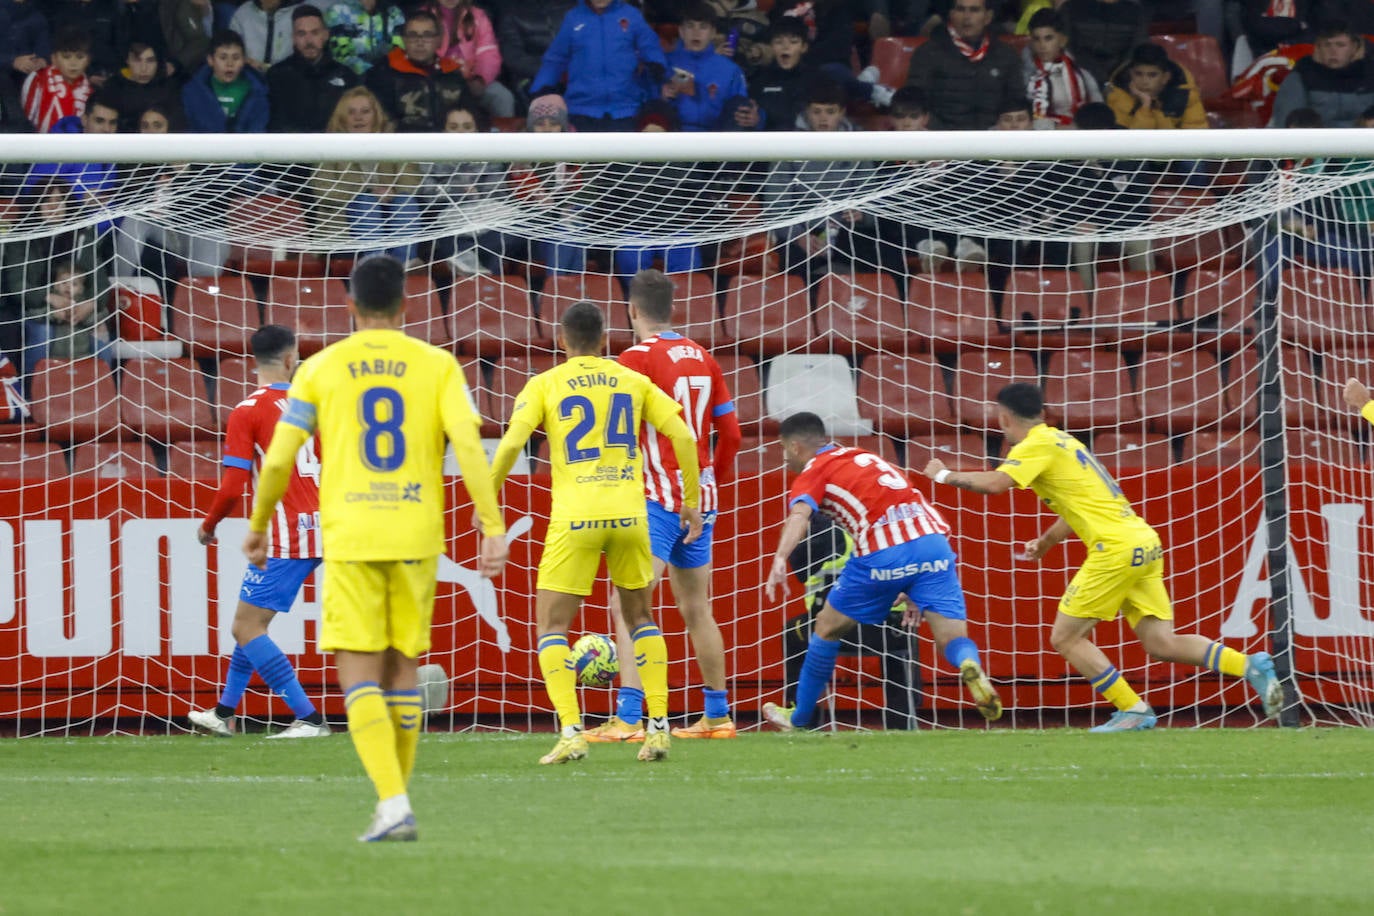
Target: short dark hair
(378, 285)
(805, 425)
(1047, 19)
(1330, 28)
(479, 115)
(72, 38)
(1149, 55)
(652, 293)
(104, 99)
(1023, 399)
(415, 15)
(1303, 117)
(270, 342)
(136, 49)
(1095, 116)
(225, 38)
(700, 12)
(789, 25)
(584, 325)
(909, 101)
(826, 92)
(305, 11)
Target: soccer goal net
(1192, 316)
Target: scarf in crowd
(975, 54)
(1062, 72)
(1282, 9)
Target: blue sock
(275, 668)
(240, 673)
(958, 650)
(629, 704)
(816, 672)
(717, 703)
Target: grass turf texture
(1188, 822)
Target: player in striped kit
(294, 539)
(900, 549)
(686, 372)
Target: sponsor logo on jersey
(910, 569)
(603, 523)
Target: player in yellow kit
(591, 409)
(1124, 571)
(383, 403)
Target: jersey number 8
(381, 411)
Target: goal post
(1190, 301)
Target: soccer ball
(432, 681)
(593, 658)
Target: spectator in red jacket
(60, 90)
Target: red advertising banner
(110, 607)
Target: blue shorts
(275, 588)
(666, 534)
(923, 569)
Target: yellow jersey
(383, 403)
(591, 410)
(1071, 482)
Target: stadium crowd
(153, 66)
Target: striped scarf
(48, 98)
(967, 49)
(1050, 79)
(1282, 9)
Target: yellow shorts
(1120, 579)
(373, 606)
(573, 550)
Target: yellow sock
(555, 663)
(369, 726)
(651, 658)
(406, 716)
(1227, 661)
(1115, 690)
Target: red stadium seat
(1221, 449)
(132, 461)
(276, 218)
(860, 313)
(768, 315)
(959, 452)
(950, 311)
(200, 459)
(904, 395)
(31, 461)
(892, 57)
(695, 312)
(1231, 294)
(1214, 248)
(165, 400)
(980, 375)
(510, 375)
(424, 314)
(746, 390)
(1131, 306)
(1323, 308)
(1201, 56)
(235, 380)
(493, 316)
(215, 314)
(758, 456)
(1332, 447)
(1041, 297)
(1090, 390)
(75, 399)
(316, 309)
(1301, 397)
(563, 290)
(1133, 450)
(1182, 391)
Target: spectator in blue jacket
(707, 89)
(608, 57)
(224, 96)
(25, 44)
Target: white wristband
(943, 475)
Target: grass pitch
(1002, 822)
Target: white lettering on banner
(8, 610)
(1345, 617)
(140, 552)
(92, 619)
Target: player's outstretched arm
(1036, 548)
(793, 530)
(287, 439)
(989, 483)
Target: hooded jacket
(599, 55)
(205, 116)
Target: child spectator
(908, 109)
(306, 86)
(779, 88)
(363, 32)
(265, 26)
(545, 186)
(1103, 32)
(366, 200)
(414, 84)
(467, 39)
(703, 85)
(609, 57)
(61, 90)
(1337, 79)
(159, 119)
(224, 96)
(829, 28)
(448, 188)
(141, 84)
(104, 21)
(1014, 114)
(1056, 86)
(1152, 92)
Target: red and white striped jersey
(692, 377)
(869, 497)
(295, 529)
